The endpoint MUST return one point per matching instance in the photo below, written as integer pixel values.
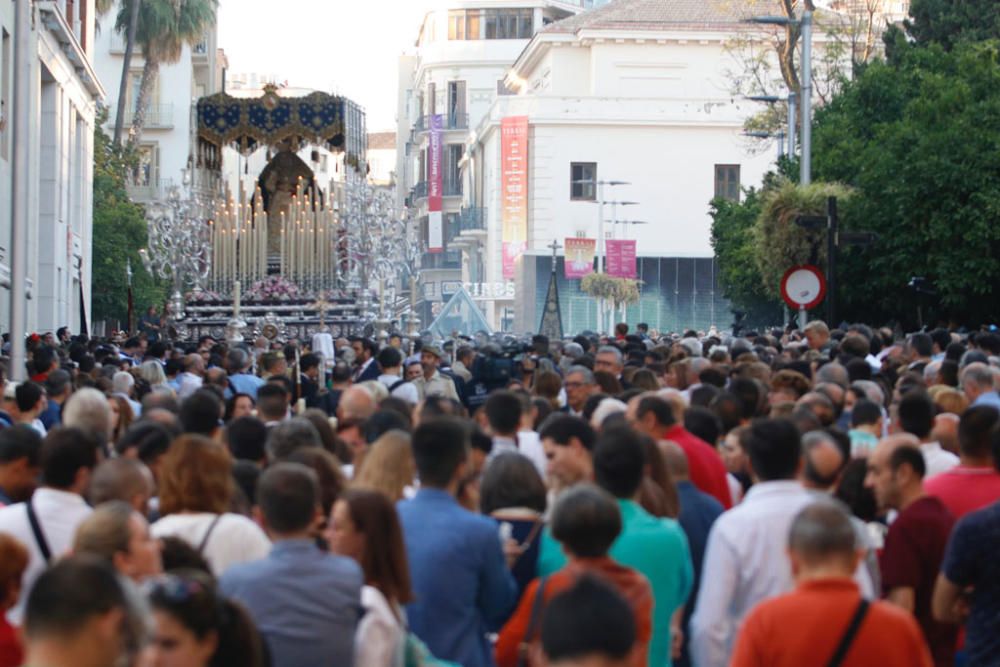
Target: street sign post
(803, 287)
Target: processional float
(291, 256)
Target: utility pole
(806, 172)
(21, 131)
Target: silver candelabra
(179, 245)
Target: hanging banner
(514, 196)
(435, 182)
(621, 259)
(579, 257)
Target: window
(583, 181)
(466, 24)
(456, 104)
(452, 172)
(727, 181)
(149, 165)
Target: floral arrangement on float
(203, 296)
(274, 288)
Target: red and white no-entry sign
(803, 287)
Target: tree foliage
(947, 22)
(779, 243)
(619, 291)
(919, 140)
(733, 225)
(164, 28)
(119, 233)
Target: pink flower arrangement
(203, 295)
(274, 288)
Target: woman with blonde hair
(388, 467)
(152, 372)
(121, 415)
(196, 487)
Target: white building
(456, 70)
(65, 90)
(166, 143)
(634, 91)
(381, 157)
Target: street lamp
(780, 136)
(774, 99)
(806, 24)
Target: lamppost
(805, 23)
(790, 100)
(179, 243)
(780, 136)
(600, 238)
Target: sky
(350, 47)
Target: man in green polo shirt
(655, 547)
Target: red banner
(435, 185)
(579, 257)
(621, 259)
(514, 195)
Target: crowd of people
(815, 497)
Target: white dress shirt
(59, 513)
(406, 391)
(527, 444)
(746, 563)
(234, 539)
(188, 383)
(937, 458)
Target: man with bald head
(825, 603)
(915, 545)
(698, 512)
(822, 462)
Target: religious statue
(278, 183)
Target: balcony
(450, 121)
(448, 189)
(472, 221)
(450, 259)
(150, 190)
(158, 116)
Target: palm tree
(164, 27)
(130, 27)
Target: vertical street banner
(435, 185)
(621, 259)
(514, 193)
(579, 257)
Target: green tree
(919, 141)
(947, 22)
(733, 225)
(164, 27)
(119, 233)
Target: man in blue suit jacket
(460, 579)
(306, 602)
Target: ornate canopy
(247, 124)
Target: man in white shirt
(191, 379)
(390, 360)
(745, 560)
(916, 417)
(68, 458)
(503, 411)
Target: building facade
(65, 91)
(166, 142)
(455, 72)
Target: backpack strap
(852, 631)
(523, 658)
(208, 534)
(36, 529)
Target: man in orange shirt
(825, 621)
(586, 521)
